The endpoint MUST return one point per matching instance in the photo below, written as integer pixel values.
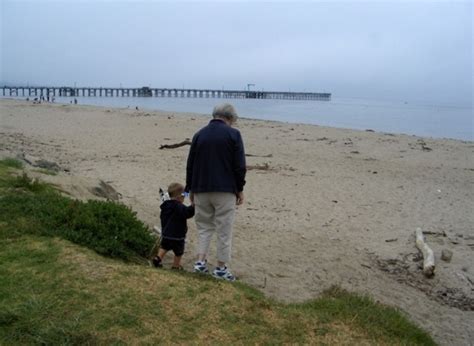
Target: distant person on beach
(215, 177)
(173, 226)
(75, 101)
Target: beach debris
(264, 167)
(442, 233)
(355, 152)
(49, 165)
(455, 297)
(369, 130)
(40, 163)
(428, 255)
(405, 273)
(446, 255)
(176, 145)
(105, 190)
(422, 143)
(391, 240)
(253, 155)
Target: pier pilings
(65, 91)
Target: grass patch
(11, 163)
(29, 206)
(53, 291)
(377, 320)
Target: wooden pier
(28, 91)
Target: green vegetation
(11, 163)
(55, 292)
(32, 207)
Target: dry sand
(323, 206)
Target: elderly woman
(215, 177)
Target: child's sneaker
(201, 267)
(223, 273)
(157, 262)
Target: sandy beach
(323, 206)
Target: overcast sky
(418, 50)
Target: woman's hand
(240, 198)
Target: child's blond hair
(175, 190)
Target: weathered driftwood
(442, 233)
(253, 155)
(428, 255)
(176, 145)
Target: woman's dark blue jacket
(216, 161)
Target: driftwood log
(176, 145)
(428, 255)
(253, 155)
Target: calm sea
(395, 117)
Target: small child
(173, 226)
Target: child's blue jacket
(173, 219)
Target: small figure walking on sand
(173, 226)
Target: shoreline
(329, 206)
(145, 107)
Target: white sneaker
(201, 267)
(223, 274)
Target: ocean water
(438, 121)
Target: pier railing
(22, 91)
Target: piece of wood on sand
(428, 255)
(177, 145)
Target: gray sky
(401, 50)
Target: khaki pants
(215, 214)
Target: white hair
(225, 111)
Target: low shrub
(109, 228)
